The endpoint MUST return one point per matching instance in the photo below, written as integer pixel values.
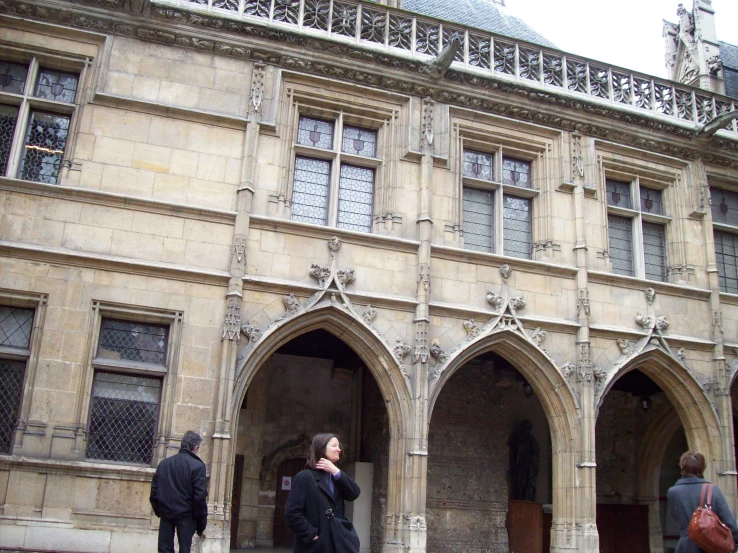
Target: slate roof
(729, 55)
(482, 14)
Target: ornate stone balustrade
(404, 34)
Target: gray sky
(623, 32)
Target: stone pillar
(221, 469)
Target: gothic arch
(696, 412)
(558, 402)
(379, 361)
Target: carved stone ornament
(576, 155)
(345, 276)
(626, 346)
(661, 323)
(257, 86)
(424, 276)
(322, 274)
(239, 248)
(505, 271)
(681, 354)
(421, 351)
(232, 322)
(584, 302)
(496, 301)
(401, 350)
(507, 323)
(650, 295)
(472, 329)
(334, 244)
(438, 353)
(538, 336)
(516, 303)
(427, 137)
(252, 332)
(369, 314)
(291, 304)
(438, 66)
(569, 371)
(645, 321)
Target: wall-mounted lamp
(527, 389)
(645, 403)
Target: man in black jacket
(178, 493)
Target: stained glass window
(8, 119)
(724, 206)
(361, 142)
(124, 412)
(315, 133)
(478, 216)
(13, 77)
(516, 226)
(516, 172)
(651, 201)
(621, 244)
(618, 193)
(478, 165)
(57, 85)
(310, 190)
(654, 251)
(355, 191)
(726, 255)
(43, 149)
(131, 341)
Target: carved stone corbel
(472, 329)
(291, 304)
(345, 276)
(516, 303)
(645, 321)
(497, 302)
(626, 346)
(438, 353)
(252, 332)
(369, 314)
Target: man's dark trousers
(185, 530)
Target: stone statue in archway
(524, 463)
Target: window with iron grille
(331, 185)
(724, 207)
(636, 229)
(37, 102)
(124, 407)
(488, 199)
(16, 325)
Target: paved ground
(264, 550)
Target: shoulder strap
(702, 495)
(709, 495)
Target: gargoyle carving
(438, 66)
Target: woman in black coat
(684, 497)
(319, 487)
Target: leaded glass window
(60, 86)
(654, 251)
(13, 77)
(361, 142)
(16, 325)
(516, 226)
(516, 172)
(130, 341)
(315, 133)
(124, 412)
(726, 255)
(724, 206)
(43, 149)
(478, 165)
(621, 244)
(335, 187)
(12, 374)
(41, 138)
(8, 118)
(618, 193)
(310, 190)
(651, 201)
(355, 190)
(478, 214)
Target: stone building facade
(261, 219)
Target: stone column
(221, 468)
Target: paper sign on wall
(286, 482)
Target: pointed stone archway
(561, 409)
(342, 323)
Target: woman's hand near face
(326, 465)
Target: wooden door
(236, 500)
(283, 536)
(524, 526)
(623, 528)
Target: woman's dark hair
(692, 463)
(317, 448)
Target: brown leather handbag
(706, 529)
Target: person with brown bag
(687, 500)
